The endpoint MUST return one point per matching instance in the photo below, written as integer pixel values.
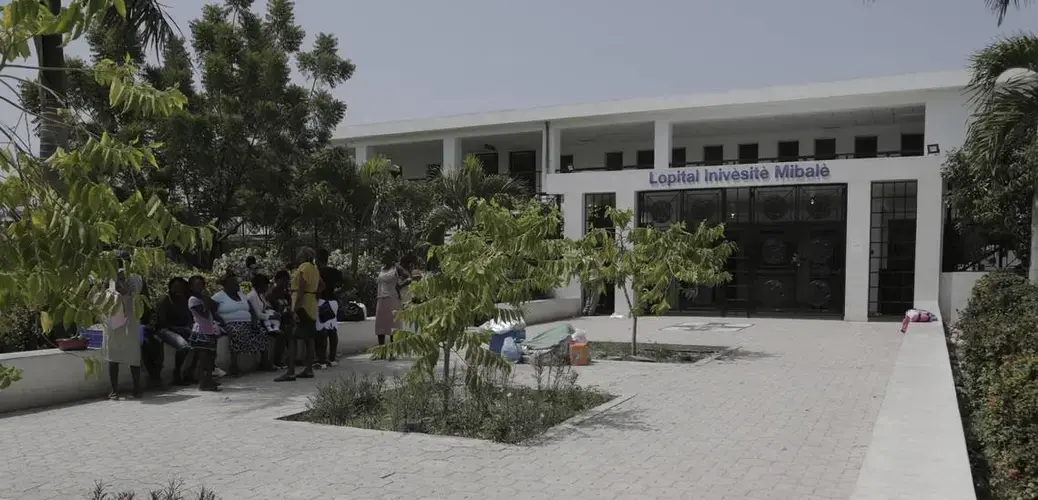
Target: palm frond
(149, 19)
(1005, 109)
(1001, 7)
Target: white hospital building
(832, 191)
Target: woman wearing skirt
(122, 331)
(391, 279)
(239, 321)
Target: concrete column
(573, 228)
(452, 155)
(624, 201)
(662, 144)
(856, 266)
(362, 154)
(929, 234)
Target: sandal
(286, 378)
(113, 396)
(306, 375)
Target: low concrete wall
(918, 448)
(52, 377)
(955, 291)
(548, 310)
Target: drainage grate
(712, 326)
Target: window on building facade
(866, 146)
(614, 160)
(566, 163)
(522, 166)
(678, 157)
(646, 158)
(489, 162)
(825, 149)
(788, 150)
(912, 145)
(749, 153)
(713, 155)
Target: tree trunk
(634, 335)
(447, 382)
(354, 258)
(1032, 268)
(53, 132)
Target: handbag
(325, 312)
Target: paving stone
(788, 415)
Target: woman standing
(204, 334)
(234, 314)
(279, 296)
(391, 279)
(306, 284)
(122, 330)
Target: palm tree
(1004, 91)
(456, 186)
(146, 22)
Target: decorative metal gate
(790, 247)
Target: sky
(418, 59)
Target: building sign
(779, 173)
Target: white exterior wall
(689, 125)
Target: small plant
(651, 261)
(173, 491)
(497, 409)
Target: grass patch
(651, 352)
(174, 491)
(496, 410)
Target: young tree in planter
(650, 261)
(506, 256)
(61, 218)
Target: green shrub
(496, 409)
(999, 322)
(998, 367)
(1007, 426)
(20, 331)
(269, 261)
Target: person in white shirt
(236, 317)
(257, 298)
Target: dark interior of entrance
(595, 205)
(892, 242)
(790, 240)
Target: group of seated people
(258, 324)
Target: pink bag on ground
(916, 316)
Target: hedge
(998, 352)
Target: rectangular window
(749, 153)
(566, 163)
(432, 171)
(825, 149)
(713, 155)
(866, 146)
(614, 160)
(788, 150)
(912, 145)
(489, 162)
(646, 158)
(678, 158)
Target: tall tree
(1004, 89)
(250, 128)
(143, 22)
(59, 243)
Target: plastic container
(579, 354)
(94, 338)
(497, 340)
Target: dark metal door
(777, 275)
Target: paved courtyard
(788, 416)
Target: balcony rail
(782, 159)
